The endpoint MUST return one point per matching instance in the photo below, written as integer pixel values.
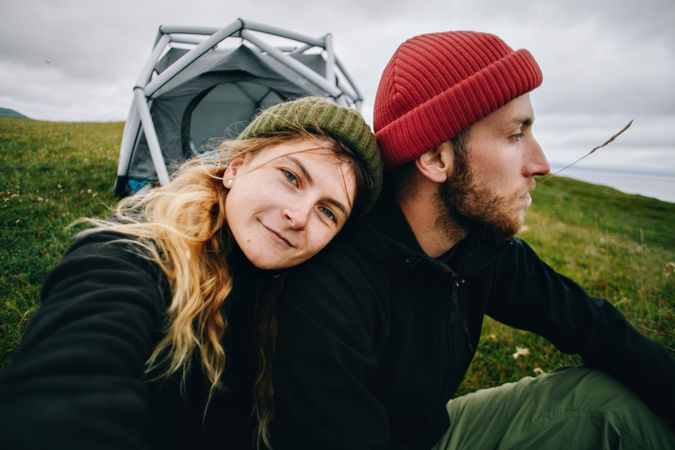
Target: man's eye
(517, 137)
(290, 176)
(328, 213)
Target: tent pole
(151, 136)
(131, 128)
(330, 60)
(256, 26)
(146, 72)
(180, 29)
(293, 64)
(301, 50)
(185, 39)
(348, 91)
(349, 79)
(192, 55)
(158, 37)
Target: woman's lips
(278, 235)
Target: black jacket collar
(387, 236)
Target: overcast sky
(604, 62)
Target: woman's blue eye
(290, 176)
(328, 213)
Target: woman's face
(287, 201)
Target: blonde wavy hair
(182, 227)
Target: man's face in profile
(490, 186)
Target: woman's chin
(269, 263)
(266, 261)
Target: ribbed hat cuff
(443, 116)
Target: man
(376, 333)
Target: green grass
(52, 174)
(621, 247)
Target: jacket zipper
(465, 324)
(448, 315)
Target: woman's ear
(436, 164)
(231, 171)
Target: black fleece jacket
(78, 381)
(374, 336)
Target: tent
(202, 84)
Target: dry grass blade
(614, 136)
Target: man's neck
(435, 238)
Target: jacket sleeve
(76, 381)
(324, 361)
(530, 295)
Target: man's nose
(537, 164)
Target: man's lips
(526, 196)
(278, 235)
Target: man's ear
(437, 164)
(232, 169)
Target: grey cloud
(599, 58)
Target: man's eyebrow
(524, 121)
(309, 178)
(517, 122)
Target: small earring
(229, 182)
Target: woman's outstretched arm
(77, 380)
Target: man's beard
(474, 208)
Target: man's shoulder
(518, 249)
(498, 256)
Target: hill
(620, 247)
(6, 112)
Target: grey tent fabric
(212, 98)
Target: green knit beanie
(319, 115)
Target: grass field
(621, 247)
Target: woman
(155, 330)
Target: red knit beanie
(437, 85)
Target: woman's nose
(296, 216)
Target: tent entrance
(231, 103)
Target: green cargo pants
(572, 408)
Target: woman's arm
(77, 380)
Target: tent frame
(337, 82)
